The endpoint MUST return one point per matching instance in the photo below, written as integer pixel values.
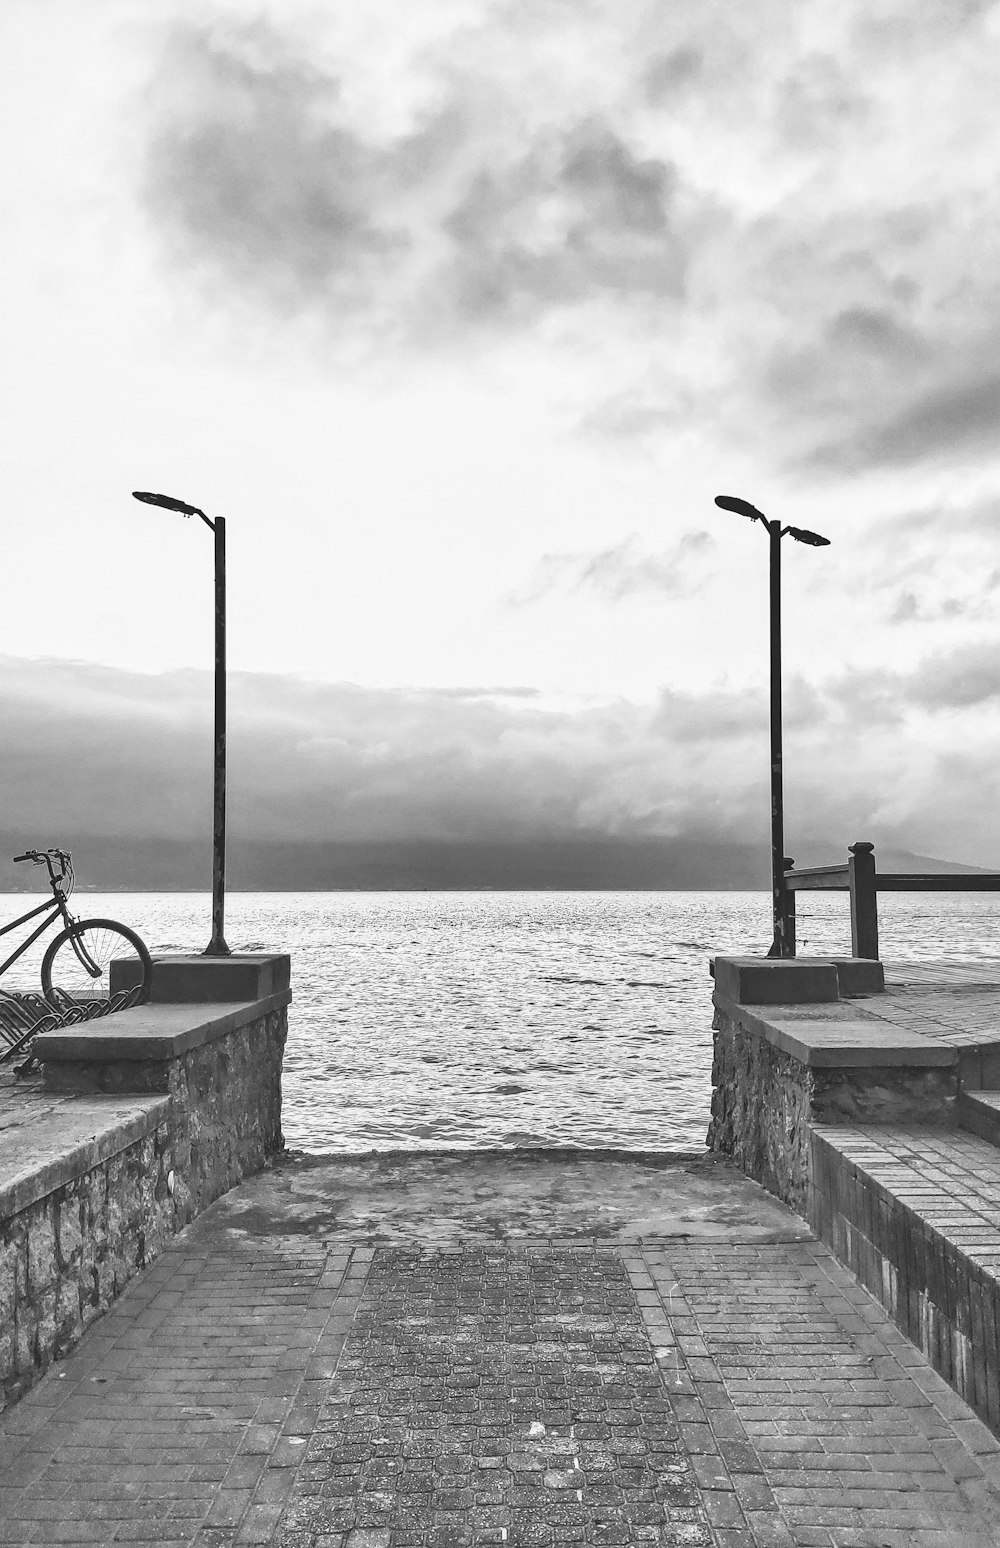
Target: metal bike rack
(23, 1016)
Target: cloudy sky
(461, 312)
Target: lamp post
(217, 945)
(782, 945)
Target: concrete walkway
(532, 1350)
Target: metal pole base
(217, 948)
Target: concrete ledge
(796, 980)
(775, 981)
(858, 976)
(63, 1145)
(841, 1041)
(151, 1032)
(197, 980)
(858, 1045)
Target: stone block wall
(225, 1108)
(761, 1104)
(173, 1106)
(65, 1256)
(765, 1099)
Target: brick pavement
(798, 1395)
(954, 1002)
(183, 1413)
(949, 1178)
(306, 1389)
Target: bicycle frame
(52, 907)
(22, 1015)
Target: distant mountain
(886, 859)
(585, 863)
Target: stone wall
(765, 1098)
(66, 1255)
(226, 1103)
(154, 1113)
(761, 1104)
(227, 1111)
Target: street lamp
(217, 945)
(782, 945)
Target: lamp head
(741, 507)
(814, 539)
(167, 502)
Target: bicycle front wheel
(77, 965)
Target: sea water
(478, 1019)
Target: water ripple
(509, 1019)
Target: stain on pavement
(494, 1197)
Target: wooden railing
(860, 878)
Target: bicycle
(76, 968)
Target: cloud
(730, 716)
(750, 221)
(952, 419)
(96, 751)
(879, 360)
(956, 417)
(579, 215)
(911, 608)
(878, 304)
(818, 100)
(942, 524)
(963, 678)
(928, 565)
(259, 176)
(253, 170)
(671, 73)
(890, 29)
(623, 571)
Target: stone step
(979, 1113)
(914, 1212)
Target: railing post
(864, 900)
(788, 864)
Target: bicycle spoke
(78, 965)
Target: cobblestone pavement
(260, 1385)
(491, 1396)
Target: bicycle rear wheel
(77, 965)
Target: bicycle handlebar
(40, 855)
